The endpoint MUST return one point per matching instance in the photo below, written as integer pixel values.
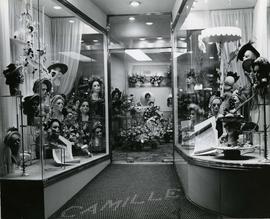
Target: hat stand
(221, 35)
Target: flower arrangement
(148, 134)
(135, 78)
(156, 80)
(151, 112)
(14, 77)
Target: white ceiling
(114, 7)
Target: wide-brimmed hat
(38, 82)
(246, 47)
(62, 66)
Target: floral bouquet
(14, 77)
(156, 80)
(136, 78)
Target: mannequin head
(95, 86)
(54, 129)
(214, 105)
(43, 85)
(84, 107)
(57, 103)
(13, 140)
(97, 130)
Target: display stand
(221, 35)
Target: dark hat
(38, 82)
(246, 47)
(10, 133)
(13, 74)
(234, 75)
(28, 103)
(62, 66)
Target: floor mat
(132, 192)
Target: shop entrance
(141, 106)
(140, 81)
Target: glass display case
(55, 96)
(221, 105)
(216, 92)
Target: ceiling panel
(115, 7)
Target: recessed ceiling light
(149, 23)
(159, 38)
(142, 38)
(71, 21)
(56, 7)
(95, 41)
(131, 18)
(134, 3)
(211, 57)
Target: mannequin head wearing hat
(214, 105)
(57, 71)
(57, 105)
(31, 108)
(96, 88)
(42, 86)
(13, 140)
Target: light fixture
(149, 23)
(56, 7)
(159, 38)
(211, 57)
(134, 3)
(138, 54)
(71, 21)
(142, 38)
(182, 38)
(95, 41)
(131, 18)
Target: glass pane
(63, 119)
(214, 95)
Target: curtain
(242, 18)
(66, 45)
(260, 27)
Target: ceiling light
(149, 23)
(71, 21)
(159, 38)
(182, 38)
(211, 57)
(134, 3)
(131, 18)
(56, 7)
(142, 38)
(138, 55)
(95, 41)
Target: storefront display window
(218, 92)
(55, 113)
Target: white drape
(260, 27)
(66, 37)
(242, 18)
(6, 103)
